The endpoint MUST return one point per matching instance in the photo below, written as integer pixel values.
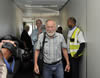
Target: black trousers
(74, 72)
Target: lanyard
(9, 67)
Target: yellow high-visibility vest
(74, 44)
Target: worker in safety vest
(75, 46)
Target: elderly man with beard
(52, 56)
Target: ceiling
(35, 7)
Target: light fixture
(40, 6)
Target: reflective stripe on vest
(74, 44)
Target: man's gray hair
(50, 20)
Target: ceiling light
(40, 6)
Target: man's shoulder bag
(41, 55)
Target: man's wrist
(68, 64)
(35, 64)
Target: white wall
(77, 9)
(18, 21)
(10, 18)
(7, 17)
(93, 38)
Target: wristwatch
(68, 64)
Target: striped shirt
(52, 47)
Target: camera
(10, 47)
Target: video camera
(10, 47)
(19, 52)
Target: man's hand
(36, 69)
(1, 43)
(76, 56)
(12, 42)
(67, 68)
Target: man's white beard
(51, 34)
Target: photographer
(7, 51)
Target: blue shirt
(34, 35)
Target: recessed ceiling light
(40, 6)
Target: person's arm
(65, 53)
(36, 68)
(66, 56)
(37, 51)
(82, 42)
(81, 48)
(67, 68)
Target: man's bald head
(50, 21)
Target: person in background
(26, 38)
(75, 46)
(59, 30)
(35, 33)
(34, 36)
(7, 49)
(52, 53)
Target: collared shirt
(34, 36)
(52, 47)
(80, 38)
